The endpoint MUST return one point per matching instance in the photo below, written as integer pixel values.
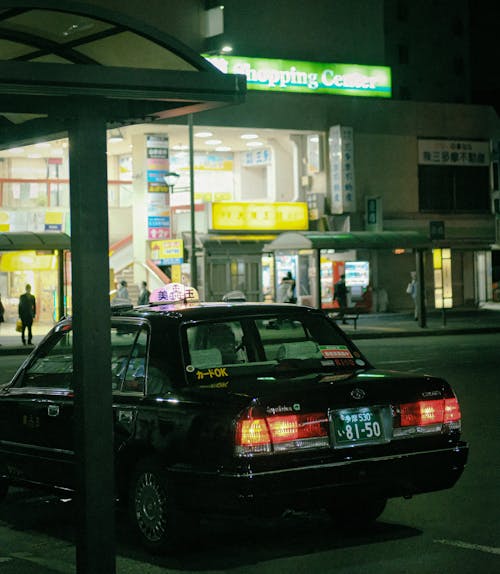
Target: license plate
(365, 425)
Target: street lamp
(171, 179)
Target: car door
(129, 349)
(36, 415)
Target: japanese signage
(158, 206)
(257, 157)
(308, 77)
(168, 252)
(341, 156)
(453, 152)
(261, 216)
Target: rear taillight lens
(439, 414)
(281, 433)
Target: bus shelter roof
(295, 241)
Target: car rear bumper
(316, 486)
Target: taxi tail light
(279, 433)
(423, 413)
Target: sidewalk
(370, 326)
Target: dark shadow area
(223, 543)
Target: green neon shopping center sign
(308, 77)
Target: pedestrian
(412, 290)
(286, 289)
(122, 293)
(144, 294)
(27, 312)
(340, 295)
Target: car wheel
(157, 522)
(356, 513)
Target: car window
(128, 357)
(53, 368)
(218, 349)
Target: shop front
(317, 260)
(41, 260)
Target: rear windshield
(258, 345)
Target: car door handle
(53, 410)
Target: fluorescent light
(213, 142)
(254, 144)
(249, 136)
(223, 148)
(203, 134)
(16, 150)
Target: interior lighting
(16, 150)
(213, 142)
(226, 49)
(42, 144)
(254, 144)
(223, 148)
(249, 136)
(203, 134)
(115, 137)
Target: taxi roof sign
(174, 293)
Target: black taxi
(236, 408)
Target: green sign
(308, 77)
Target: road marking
(467, 546)
(56, 565)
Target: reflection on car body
(236, 408)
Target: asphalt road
(455, 531)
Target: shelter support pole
(318, 277)
(421, 308)
(60, 283)
(192, 201)
(95, 545)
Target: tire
(356, 513)
(161, 528)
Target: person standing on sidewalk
(144, 294)
(412, 290)
(27, 312)
(340, 295)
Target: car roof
(214, 310)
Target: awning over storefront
(295, 241)
(28, 241)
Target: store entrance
(238, 273)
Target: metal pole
(194, 269)
(422, 312)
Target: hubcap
(150, 507)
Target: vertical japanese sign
(341, 156)
(158, 205)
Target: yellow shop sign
(259, 216)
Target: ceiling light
(115, 137)
(254, 144)
(203, 134)
(34, 156)
(226, 49)
(213, 142)
(223, 148)
(42, 144)
(249, 136)
(16, 150)
(180, 147)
